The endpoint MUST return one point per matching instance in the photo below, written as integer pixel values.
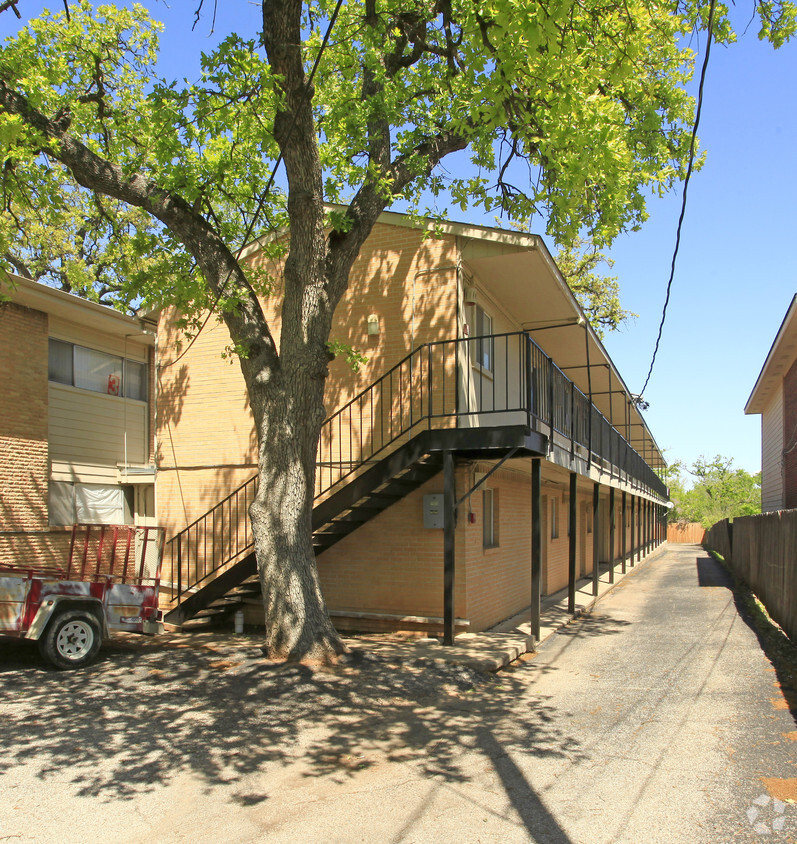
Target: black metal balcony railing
(467, 382)
(443, 384)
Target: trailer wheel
(72, 639)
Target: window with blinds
(100, 372)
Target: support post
(645, 528)
(624, 539)
(612, 515)
(573, 545)
(596, 541)
(536, 545)
(449, 528)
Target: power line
(269, 184)
(686, 188)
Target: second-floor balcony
(480, 383)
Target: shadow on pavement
(711, 573)
(145, 713)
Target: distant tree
(82, 243)
(598, 294)
(718, 492)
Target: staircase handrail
(558, 419)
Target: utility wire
(269, 184)
(686, 188)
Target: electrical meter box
(433, 511)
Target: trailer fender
(57, 603)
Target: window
(135, 380)
(554, 518)
(97, 371)
(482, 347)
(490, 518)
(97, 504)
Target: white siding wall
(772, 497)
(94, 429)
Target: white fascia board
(40, 297)
(758, 398)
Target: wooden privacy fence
(762, 551)
(692, 533)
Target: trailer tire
(72, 639)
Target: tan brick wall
(499, 579)
(23, 418)
(203, 415)
(48, 548)
(393, 564)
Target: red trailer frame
(110, 582)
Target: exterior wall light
(373, 325)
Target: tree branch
(219, 267)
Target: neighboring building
(76, 420)
(775, 398)
(476, 348)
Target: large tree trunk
(297, 621)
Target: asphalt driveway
(657, 717)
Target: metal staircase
(387, 442)
(225, 589)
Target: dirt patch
(781, 789)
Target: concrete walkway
(496, 648)
(657, 717)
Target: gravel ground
(209, 703)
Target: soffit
(529, 287)
(73, 309)
(781, 356)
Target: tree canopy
(598, 294)
(570, 112)
(717, 492)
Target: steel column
(536, 545)
(624, 540)
(612, 515)
(596, 543)
(449, 528)
(573, 545)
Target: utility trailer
(110, 582)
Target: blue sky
(737, 267)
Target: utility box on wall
(433, 511)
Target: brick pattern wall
(23, 419)
(499, 579)
(205, 429)
(366, 572)
(790, 437)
